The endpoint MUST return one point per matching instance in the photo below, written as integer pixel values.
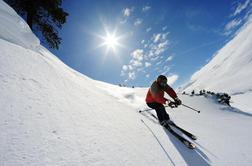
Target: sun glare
(111, 41)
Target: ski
(187, 143)
(188, 134)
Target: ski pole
(191, 108)
(145, 110)
(151, 109)
(169, 106)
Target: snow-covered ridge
(14, 29)
(230, 69)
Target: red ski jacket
(156, 93)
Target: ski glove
(172, 104)
(177, 101)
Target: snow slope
(10, 22)
(230, 70)
(52, 115)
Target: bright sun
(111, 41)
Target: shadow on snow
(236, 110)
(191, 157)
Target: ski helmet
(162, 81)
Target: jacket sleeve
(171, 92)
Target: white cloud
(125, 67)
(155, 58)
(158, 44)
(241, 15)
(136, 63)
(232, 24)
(241, 7)
(159, 47)
(166, 68)
(127, 11)
(152, 54)
(169, 58)
(138, 22)
(147, 76)
(147, 64)
(146, 8)
(156, 37)
(148, 29)
(164, 28)
(138, 54)
(164, 35)
(130, 67)
(163, 44)
(172, 79)
(132, 75)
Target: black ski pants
(160, 110)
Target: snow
(52, 115)
(243, 101)
(230, 70)
(9, 22)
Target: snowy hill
(52, 115)
(230, 70)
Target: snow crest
(14, 29)
(230, 69)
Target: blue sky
(175, 38)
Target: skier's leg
(160, 110)
(162, 114)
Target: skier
(155, 99)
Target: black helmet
(162, 81)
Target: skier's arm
(171, 92)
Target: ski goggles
(163, 83)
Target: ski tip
(189, 145)
(192, 146)
(194, 137)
